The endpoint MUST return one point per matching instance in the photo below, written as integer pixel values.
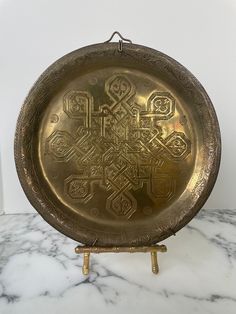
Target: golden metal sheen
(86, 250)
(117, 144)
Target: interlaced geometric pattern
(118, 146)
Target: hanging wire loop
(120, 43)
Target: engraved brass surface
(117, 147)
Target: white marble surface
(40, 273)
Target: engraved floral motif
(119, 87)
(162, 105)
(178, 145)
(117, 150)
(76, 103)
(123, 206)
(59, 144)
(77, 189)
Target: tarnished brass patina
(117, 144)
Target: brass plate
(117, 147)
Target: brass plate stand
(153, 249)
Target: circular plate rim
(78, 232)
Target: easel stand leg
(155, 267)
(85, 268)
(86, 250)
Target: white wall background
(200, 34)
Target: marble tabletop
(40, 273)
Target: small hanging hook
(122, 39)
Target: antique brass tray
(117, 144)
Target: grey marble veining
(40, 273)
